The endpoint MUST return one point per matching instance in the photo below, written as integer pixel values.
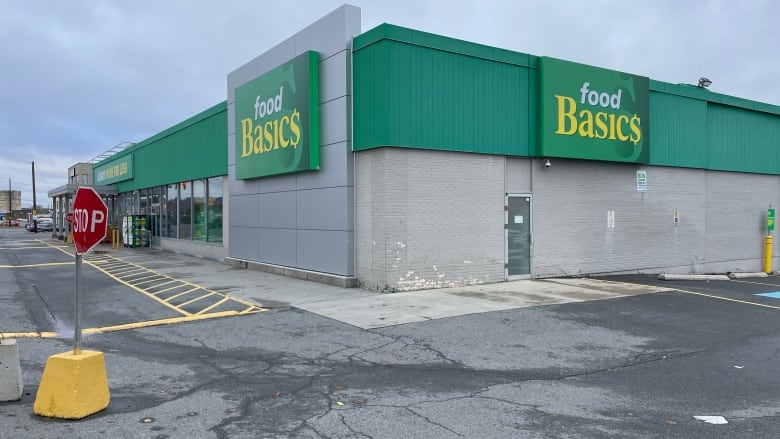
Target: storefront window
(185, 210)
(215, 209)
(172, 211)
(199, 210)
(154, 210)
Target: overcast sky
(81, 76)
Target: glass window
(172, 211)
(143, 202)
(83, 178)
(185, 210)
(199, 210)
(215, 209)
(154, 210)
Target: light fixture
(704, 82)
(547, 163)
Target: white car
(43, 225)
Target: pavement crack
(352, 430)
(428, 420)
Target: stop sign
(89, 219)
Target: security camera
(547, 163)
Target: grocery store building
(396, 160)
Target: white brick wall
(429, 219)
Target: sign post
(74, 384)
(770, 225)
(89, 223)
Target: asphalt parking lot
(247, 354)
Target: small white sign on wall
(641, 181)
(518, 219)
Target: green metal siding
(195, 148)
(408, 95)
(742, 140)
(677, 135)
(420, 90)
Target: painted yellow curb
(73, 386)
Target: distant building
(80, 174)
(15, 203)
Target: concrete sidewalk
(369, 309)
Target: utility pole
(35, 206)
(9, 203)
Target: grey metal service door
(518, 236)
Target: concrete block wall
(428, 219)
(721, 219)
(305, 220)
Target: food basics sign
(592, 113)
(277, 120)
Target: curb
(693, 277)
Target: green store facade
(397, 160)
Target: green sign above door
(592, 113)
(277, 120)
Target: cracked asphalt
(638, 366)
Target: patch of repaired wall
(428, 219)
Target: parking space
(39, 278)
(757, 291)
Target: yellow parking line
(146, 277)
(728, 299)
(128, 273)
(24, 248)
(196, 299)
(168, 299)
(9, 335)
(203, 311)
(169, 289)
(99, 264)
(136, 325)
(47, 264)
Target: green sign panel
(592, 113)
(770, 219)
(117, 170)
(277, 120)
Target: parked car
(45, 225)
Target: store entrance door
(518, 236)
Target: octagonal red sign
(88, 220)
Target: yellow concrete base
(73, 386)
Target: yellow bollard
(768, 255)
(73, 386)
(70, 238)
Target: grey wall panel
(326, 251)
(333, 121)
(276, 246)
(288, 202)
(240, 187)
(231, 152)
(325, 209)
(278, 183)
(336, 168)
(332, 33)
(276, 56)
(243, 210)
(242, 75)
(334, 78)
(276, 210)
(243, 242)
